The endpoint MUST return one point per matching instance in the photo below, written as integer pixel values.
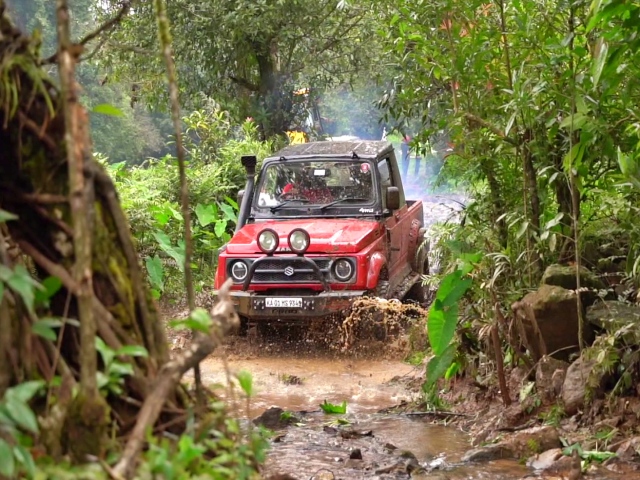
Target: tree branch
(105, 27)
(164, 36)
(76, 138)
(224, 319)
(243, 82)
(495, 130)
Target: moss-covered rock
(612, 315)
(565, 276)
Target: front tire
(419, 292)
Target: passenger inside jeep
(309, 186)
(316, 183)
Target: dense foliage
(149, 195)
(537, 100)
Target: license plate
(283, 302)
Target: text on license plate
(283, 302)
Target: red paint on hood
(327, 235)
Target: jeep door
(397, 241)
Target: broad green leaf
(576, 121)
(452, 370)
(105, 351)
(6, 216)
(219, 229)
(458, 291)
(447, 283)
(51, 286)
(24, 457)
(22, 283)
(5, 273)
(231, 202)
(438, 365)
(120, 369)
(188, 324)
(175, 252)
(555, 221)
(441, 326)
(526, 390)
(334, 409)
(133, 351)
(206, 214)
(7, 462)
(522, 229)
(161, 215)
(107, 109)
(102, 379)
(597, 455)
(228, 211)
(246, 382)
(155, 271)
(25, 391)
(22, 414)
(199, 320)
(44, 330)
(176, 213)
(201, 316)
(602, 49)
(188, 450)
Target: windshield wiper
(275, 208)
(335, 202)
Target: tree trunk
(563, 197)
(497, 202)
(275, 98)
(34, 186)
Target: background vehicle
(325, 223)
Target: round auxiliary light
(239, 270)
(268, 241)
(299, 240)
(343, 270)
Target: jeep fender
(376, 263)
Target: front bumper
(254, 306)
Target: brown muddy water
(300, 379)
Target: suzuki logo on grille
(289, 271)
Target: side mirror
(393, 198)
(240, 196)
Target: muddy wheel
(244, 326)
(421, 293)
(382, 289)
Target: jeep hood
(327, 235)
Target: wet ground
(298, 377)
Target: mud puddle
(298, 378)
(295, 383)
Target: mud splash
(401, 325)
(296, 382)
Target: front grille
(270, 271)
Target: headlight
(298, 240)
(342, 269)
(268, 241)
(239, 270)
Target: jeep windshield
(314, 185)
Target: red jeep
(325, 223)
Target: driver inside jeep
(309, 187)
